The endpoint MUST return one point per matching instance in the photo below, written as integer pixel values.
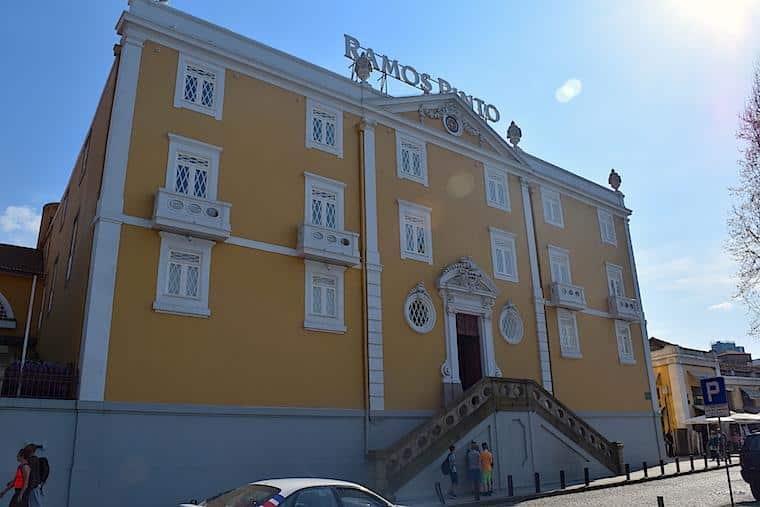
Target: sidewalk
(637, 477)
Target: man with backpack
(40, 470)
(449, 467)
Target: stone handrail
(417, 449)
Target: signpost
(716, 405)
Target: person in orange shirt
(486, 470)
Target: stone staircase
(402, 461)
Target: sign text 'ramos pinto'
(413, 77)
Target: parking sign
(714, 396)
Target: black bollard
(585, 476)
(627, 472)
(660, 501)
(562, 479)
(662, 467)
(646, 471)
(678, 466)
(729, 457)
(510, 486)
(705, 460)
(691, 461)
(537, 480)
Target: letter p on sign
(713, 391)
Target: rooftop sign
(419, 80)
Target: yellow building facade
(254, 231)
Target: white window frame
(210, 152)
(322, 322)
(182, 305)
(623, 332)
(511, 251)
(501, 177)
(401, 139)
(615, 272)
(549, 197)
(315, 181)
(10, 321)
(72, 246)
(311, 106)
(568, 350)
(179, 90)
(557, 255)
(421, 212)
(609, 236)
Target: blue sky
(660, 85)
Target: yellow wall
(255, 335)
(460, 221)
(252, 350)
(665, 397)
(17, 288)
(61, 329)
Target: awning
(698, 374)
(753, 394)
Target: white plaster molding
(179, 87)
(538, 295)
(466, 288)
(96, 328)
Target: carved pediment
(465, 276)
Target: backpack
(446, 465)
(44, 470)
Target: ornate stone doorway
(468, 291)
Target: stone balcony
(185, 214)
(624, 308)
(328, 245)
(565, 295)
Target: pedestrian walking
(40, 470)
(669, 443)
(473, 469)
(449, 467)
(486, 469)
(20, 482)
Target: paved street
(709, 489)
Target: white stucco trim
(166, 303)
(375, 348)
(538, 295)
(315, 105)
(96, 329)
(179, 143)
(179, 100)
(320, 182)
(316, 322)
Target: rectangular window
(497, 189)
(324, 128)
(199, 86)
(193, 167)
(411, 158)
(324, 297)
(559, 259)
(625, 345)
(607, 227)
(568, 334)
(51, 282)
(85, 156)
(191, 175)
(615, 280)
(503, 255)
(552, 207)
(183, 275)
(416, 237)
(72, 247)
(324, 202)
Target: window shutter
(200, 86)
(192, 170)
(324, 208)
(323, 127)
(324, 295)
(183, 276)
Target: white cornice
(147, 19)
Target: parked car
(750, 462)
(297, 493)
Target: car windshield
(249, 495)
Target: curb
(583, 489)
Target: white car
(297, 493)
